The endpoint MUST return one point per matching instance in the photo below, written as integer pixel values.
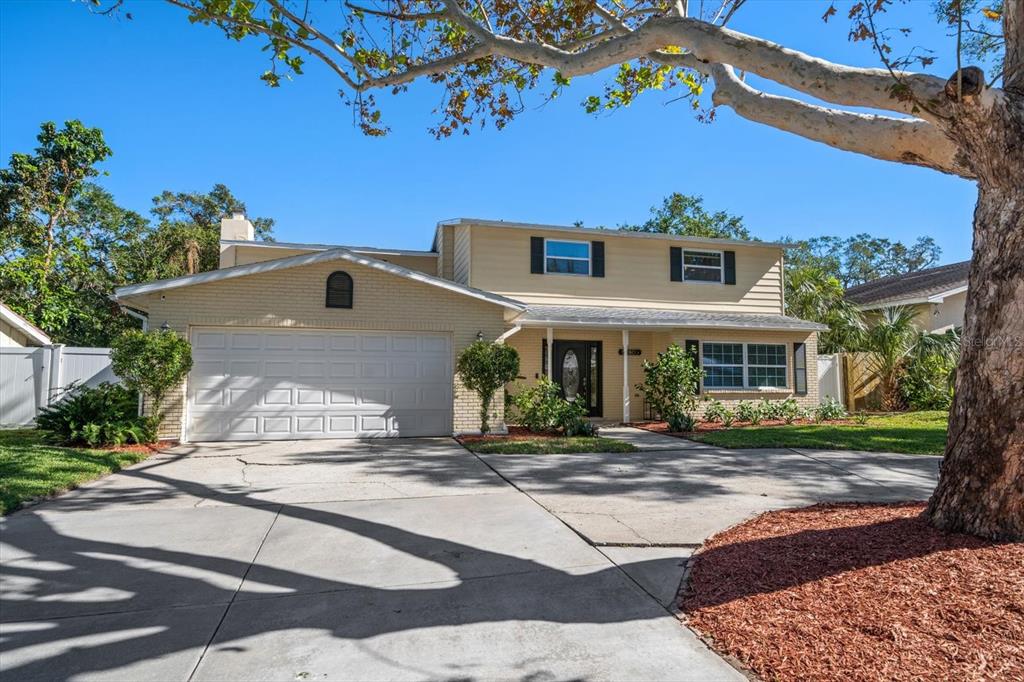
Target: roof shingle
(918, 284)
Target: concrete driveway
(677, 492)
(328, 560)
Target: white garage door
(262, 384)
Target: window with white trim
(566, 257)
(739, 365)
(702, 266)
(723, 365)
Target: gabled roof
(598, 232)
(33, 332)
(923, 286)
(309, 259)
(645, 318)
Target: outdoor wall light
(165, 327)
(479, 336)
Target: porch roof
(650, 318)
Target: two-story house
(317, 341)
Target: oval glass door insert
(570, 374)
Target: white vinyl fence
(830, 377)
(34, 377)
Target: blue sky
(183, 108)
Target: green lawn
(30, 468)
(549, 446)
(917, 433)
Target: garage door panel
(261, 384)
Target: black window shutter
(544, 357)
(675, 259)
(692, 347)
(597, 259)
(800, 368)
(537, 255)
(729, 271)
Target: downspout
(501, 339)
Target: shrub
(747, 411)
(861, 417)
(484, 367)
(541, 407)
(928, 382)
(790, 410)
(670, 387)
(151, 363)
(828, 410)
(104, 415)
(770, 409)
(728, 417)
(715, 411)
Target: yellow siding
(949, 313)
(461, 268)
(529, 343)
(636, 274)
(446, 249)
(244, 255)
(295, 298)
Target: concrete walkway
(398, 560)
(680, 496)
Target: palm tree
(813, 294)
(893, 342)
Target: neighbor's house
(16, 331)
(316, 341)
(939, 295)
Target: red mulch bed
(147, 448)
(662, 427)
(860, 592)
(514, 433)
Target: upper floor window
(567, 257)
(702, 266)
(339, 290)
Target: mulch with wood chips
(860, 592)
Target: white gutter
(144, 319)
(667, 325)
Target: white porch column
(625, 375)
(551, 353)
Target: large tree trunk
(981, 486)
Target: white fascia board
(666, 325)
(942, 295)
(24, 326)
(310, 259)
(597, 233)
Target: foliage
(747, 411)
(684, 214)
(152, 363)
(541, 408)
(549, 446)
(894, 343)
(670, 387)
(484, 367)
(66, 244)
(921, 433)
(927, 383)
(829, 409)
(814, 294)
(104, 415)
(715, 411)
(861, 258)
(790, 410)
(728, 417)
(31, 469)
(770, 409)
(861, 417)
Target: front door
(577, 370)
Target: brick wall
(294, 297)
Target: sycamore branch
(904, 140)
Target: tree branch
(908, 141)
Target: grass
(30, 468)
(549, 446)
(916, 433)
